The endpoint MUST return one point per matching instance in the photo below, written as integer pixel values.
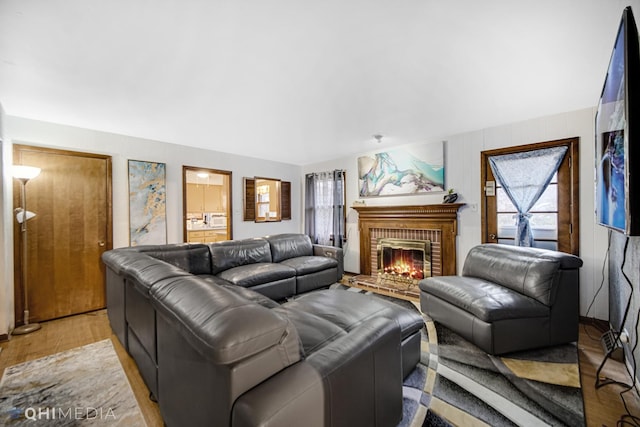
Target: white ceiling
(300, 81)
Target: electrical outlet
(624, 336)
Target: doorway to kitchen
(206, 205)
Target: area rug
(457, 384)
(82, 386)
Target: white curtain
(324, 207)
(524, 177)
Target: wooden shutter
(249, 199)
(285, 200)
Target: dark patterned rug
(457, 384)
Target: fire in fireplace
(403, 260)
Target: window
(554, 218)
(324, 207)
(266, 200)
(543, 220)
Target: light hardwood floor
(603, 407)
(75, 331)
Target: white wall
(462, 163)
(122, 148)
(6, 231)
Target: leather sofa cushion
(348, 309)
(249, 294)
(485, 300)
(252, 296)
(234, 253)
(207, 316)
(256, 274)
(410, 321)
(196, 259)
(289, 245)
(310, 264)
(314, 331)
(529, 271)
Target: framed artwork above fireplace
(413, 169)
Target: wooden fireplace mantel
(442, 217)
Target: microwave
(217, 221)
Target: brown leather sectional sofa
(229, 334)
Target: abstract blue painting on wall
(414, 169)
(147, 203)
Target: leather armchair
(508, 298)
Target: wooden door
(73, 227)
(558, 213)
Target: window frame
(568, 194)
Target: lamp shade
(20, 215)
(25, 172)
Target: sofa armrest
(331, 252)
(355, 380)
(222, 326)
(294, 394)
(565, 312)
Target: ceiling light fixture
(378, 138)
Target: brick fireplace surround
(437, 223)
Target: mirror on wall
(266, 199)
(206, 205)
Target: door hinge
(490, 188)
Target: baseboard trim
(601, 325)
(4, 337)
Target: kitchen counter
(206, 234)
(205, 228)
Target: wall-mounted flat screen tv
(618, 134)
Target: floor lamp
(24, 174)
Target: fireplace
(432, 228)
(403, 260)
